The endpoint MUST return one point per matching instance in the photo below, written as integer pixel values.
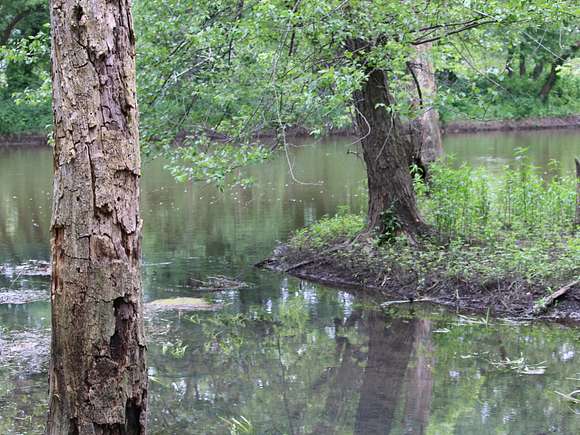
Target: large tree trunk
(98, 376)
(553, 75)
(425, 128)
(387, 152)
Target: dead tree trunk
(98, 376)
(425, 128)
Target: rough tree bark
(553, 74)
(425, 128)
(387, 152)
(98, 376)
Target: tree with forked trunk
(387, 152)
(98, 376)
(552, 77)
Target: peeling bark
(98, 376)
(425, 128)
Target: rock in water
(181, 304)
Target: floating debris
(520, 366)
(218, 283)
(573, 397)
(25, 351)
(29, 268)
(22, 296)
(181, 304)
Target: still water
(284, 356)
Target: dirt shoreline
(474, 126)
(27, 140)
(454, 127)
(507, 299)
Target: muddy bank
(23, 140)
(474, 126)
(506, 298)
(453, 127)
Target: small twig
(407, 301)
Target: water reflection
(291, 357)
(358, 371)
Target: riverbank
(363, 268)
(453, 127)
(474, 126)
(28, 140)
(505, 243)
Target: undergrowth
(513, 226)
(496, 97)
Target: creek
(282, 355)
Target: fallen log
(545, 303)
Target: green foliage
(498, 73)
(328, 229)
(213, 163)
(25, 76)
(17, 118)
(517, 98)
(233, 69)
(516, 225)
(239, 426)
(176, 349)
(391, 225)
(472, 204)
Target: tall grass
(512, 226)
(472, 203)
